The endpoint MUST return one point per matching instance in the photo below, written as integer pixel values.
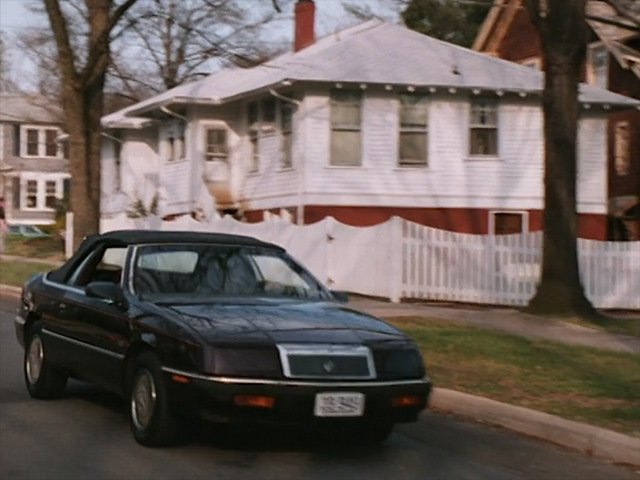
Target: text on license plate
(339, 404)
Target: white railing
(400, 259)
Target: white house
(370, 122)
(34, 169)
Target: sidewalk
(507, 320)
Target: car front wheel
(150, 418)
(42, 379)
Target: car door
(97, 328)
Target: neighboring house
(34, 169)
(612, 62)
(371, 122)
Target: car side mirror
(340, 296)
(107, 291)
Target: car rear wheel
(42, 379)
(150, 418)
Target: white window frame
(475, 101)
(286, 148)
(253, 137)
(622, 148)
(524, 214)
(42, 141)
(260, 129)
(414, 162)
(41, 190)
(172, 142)
(205, 139)
(345, 127)
(594, 73)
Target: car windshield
(197, 272)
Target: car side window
(101, 266)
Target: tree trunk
(82, 98)
(562, 27)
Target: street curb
(10, 290)
(594, 441)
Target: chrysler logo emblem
(328, 366)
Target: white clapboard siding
(400, 259)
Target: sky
(330, 17)
(329, 13)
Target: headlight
(258, 362)
(399, 363)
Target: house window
(40, 142)
(269, 115)
(413, 130)
(50, 147)
(41, 193)
(31, 194)
(345, 128)
(216, 145)
(170, 149)
(504, 223)
(253, 123)
(598, 65)
(117, 159)
(286, 129)
(50, 192)
(622, 152)
(32, 142)
(483, 128)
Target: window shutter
(66, 188)
(16, 192)
(16, 140)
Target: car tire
(150, 418)
(42, 379)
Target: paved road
(85, 435)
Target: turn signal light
(259, 401)
(407, 401)
(180, 379)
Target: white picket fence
(400, 259)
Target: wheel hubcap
(35, 357)
(143, 399)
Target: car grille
(327, 361)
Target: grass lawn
(16, 273)
(50, 248)
(592, 386)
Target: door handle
(62, 306)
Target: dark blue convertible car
(216, 327)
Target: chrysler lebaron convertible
(222, 328)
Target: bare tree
(176, 41)
(83, 67)
(6, 82)
(563, 32)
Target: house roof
(374, 52)
(28, 109)
(614, 34)
(609, 25)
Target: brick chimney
(304, 34)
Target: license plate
(339, 404)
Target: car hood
(282, 322)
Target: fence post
(68, 235)
(395, 259)
(328, 246)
